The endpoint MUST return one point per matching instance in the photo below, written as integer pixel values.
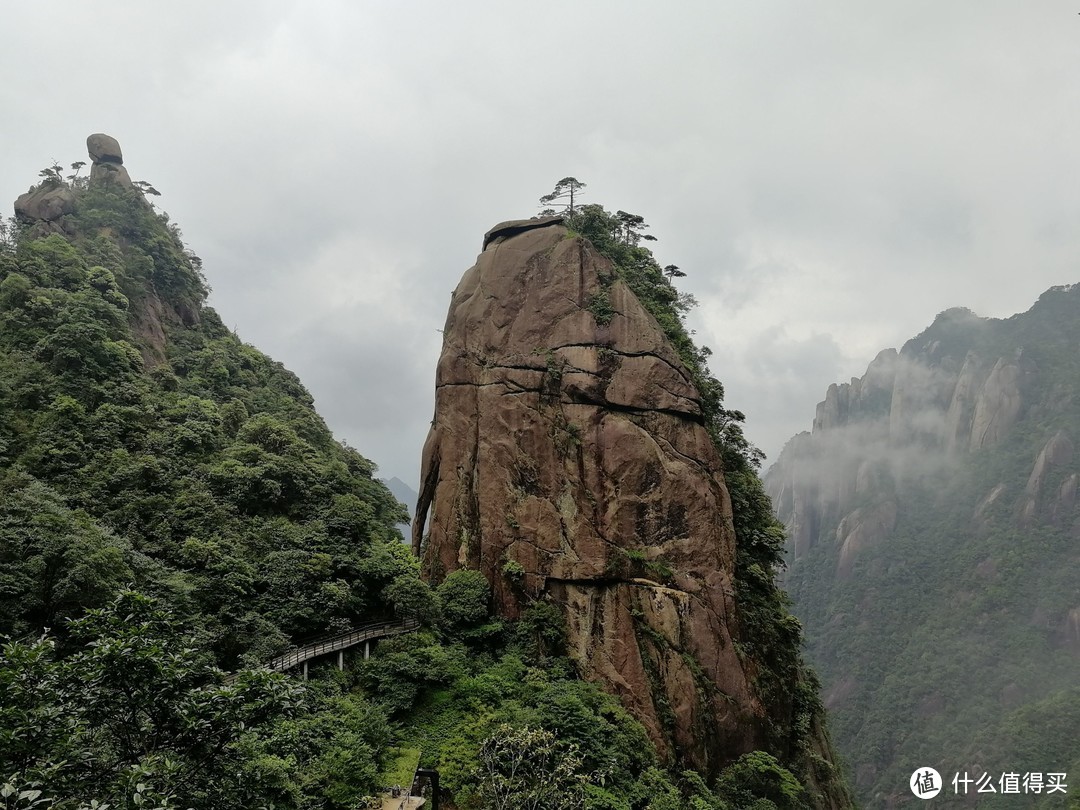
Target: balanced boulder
(104, 151)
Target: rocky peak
(104, 148)
(568, 461)
(52, 206)
(108, 160)
(504, 230)
(45, 205)
(939, 497)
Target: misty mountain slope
(406, 496)
(934, 541)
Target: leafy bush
(464, 599)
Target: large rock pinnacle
(568, 461)
(108, 160)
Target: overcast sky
(830, 175)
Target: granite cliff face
(568, 461)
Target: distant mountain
(407, 496)
(934, 546)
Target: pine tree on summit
(631, 227)
(566, 189)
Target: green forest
(174, 513)
(947, 643)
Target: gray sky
(830, 175)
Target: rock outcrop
(862, 529)
(108, 160)
(45, 205)
(512, 227)
(997, 405)
(568, 461)
(104, 148)
(45, 208)
(1056, 454)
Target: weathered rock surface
(110, 173)
(104, 148)
(1055, 454)
(962, 406)
(997, 405)
(862, 529)
(108, 166)
(504, 230)
(44, 204)
(568, 461)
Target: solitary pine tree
(566, 189)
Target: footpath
(401, 803)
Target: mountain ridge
(946, 471)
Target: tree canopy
(568, 189)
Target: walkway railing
(341, 642)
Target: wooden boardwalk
(341, 642)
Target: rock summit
(568, 461)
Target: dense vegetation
(172, 508)
(142, 445)
(207, 478)
(949, 643)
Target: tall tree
(631, 227)
(569, 188)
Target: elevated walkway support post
(367, 650)
(305, 670)
(341, 660)
(433, 780)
